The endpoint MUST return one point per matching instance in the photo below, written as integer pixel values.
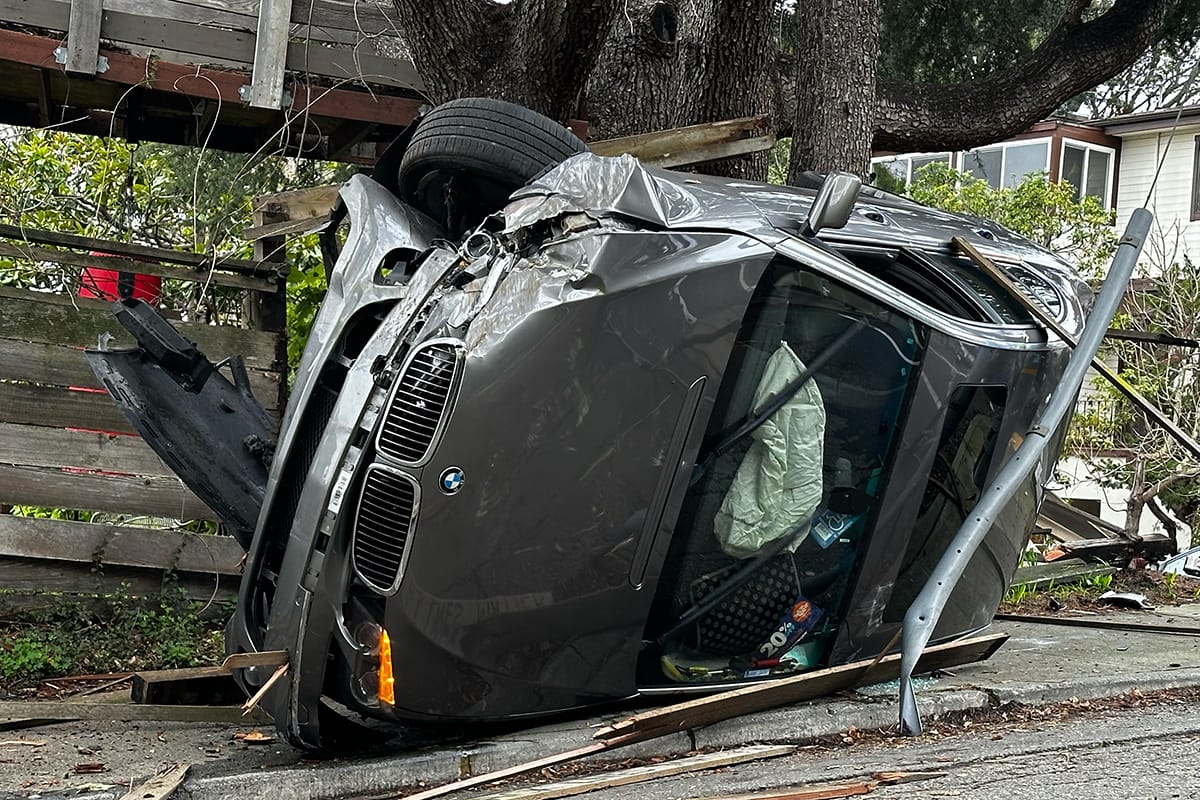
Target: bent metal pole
(926, 610)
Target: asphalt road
(1149, 752)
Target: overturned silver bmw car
(564, 439)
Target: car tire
(467, 156)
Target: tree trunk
(835, 86)
(538, 53)
(669, 63)
(633, 88)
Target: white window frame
(1087, 148)
(908, 172)
(1003, 147)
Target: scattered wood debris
(88, 768)
(161, 786)
(254, 737)
(735, 703)
(634, 775)
(23, 742)
(250, 704)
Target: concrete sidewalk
(1039, 664)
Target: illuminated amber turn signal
(387, 683)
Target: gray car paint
(590, 374)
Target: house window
(902, 169)
(1196, 182)
(1088, 168)
(1006, 165)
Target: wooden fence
(63, 444)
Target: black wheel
(467, 156)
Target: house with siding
(1113, 160)
(1175, 199)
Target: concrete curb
(870, 708)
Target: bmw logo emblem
(451, 480)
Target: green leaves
(1039, 209)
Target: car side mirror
(834, 202)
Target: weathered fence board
(55, 488)
(119, 546)
(23, 578)
(65, 366)
(39, 446)
(59, 407)
(79, 322)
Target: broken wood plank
(291, 227)
(806, 686)
(712, 152)
(161, 786)
(626, 777)
(1102, 624)
(821, 791)
(194, 686)
(661, 143)
(263, 658)
(518, 769)
(253, 701)
(124, 712)
(1057, 573)
(1152, 547)
(312, 201)
(83, 37)
(1151, 411)
(631, 732)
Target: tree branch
(1075, 56)
(1155, 489)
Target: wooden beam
(83, 36)
(692, 144)
(312, 201)
(270, 53)
(805, 686)
(288, 227)
(139, 252)
(197, 274)
(214, 84)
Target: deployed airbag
(778, 483)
